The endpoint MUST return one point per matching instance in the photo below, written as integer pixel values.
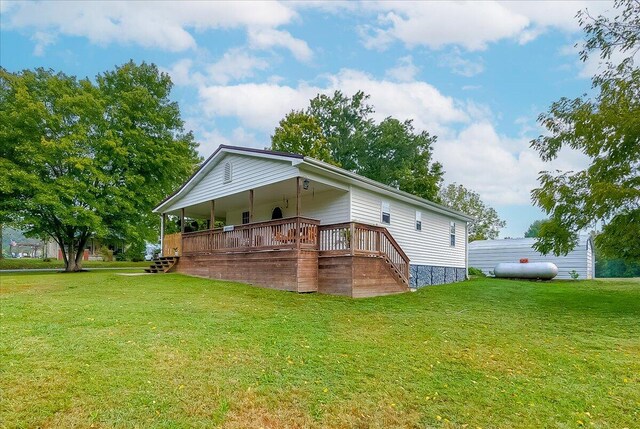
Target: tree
(390, 152)
(81, 159)
(534, 229)
(345, 124)
(606, 128)
(300, 133)
(487, 224)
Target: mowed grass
(103, 350)
(35, 263)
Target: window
(228, 172)
(418, 221)
(245, 217)
(452, 233)
(386, 212)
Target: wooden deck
(298, 254)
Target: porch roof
(307, 164)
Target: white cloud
(261, 106)
(501, 169)
(162, 25)
(267, 38)
(235, 64)
(469, 25)
(404, 71)
(459, 65)
(180, 72)
(42, 41)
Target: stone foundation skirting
(427, 275)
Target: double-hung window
(418, 221)
(452, 234)
(386, 212)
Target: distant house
(486, 254)
(299, 224)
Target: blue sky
(475, 74)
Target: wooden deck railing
(360, 239)
(290, 233)
(351, 238)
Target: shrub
(106, 253)
(473, 271)
(574, 274)
(135, 251)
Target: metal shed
(486, 254)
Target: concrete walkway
(35, 270)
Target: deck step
(163, 264)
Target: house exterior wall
(486, 254)
(248, 172)
(433, 259)
(328, 207)
(429, 246)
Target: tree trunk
(74, 262)
(1, 248)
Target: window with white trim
(452, 234)
(386, 212)
(228, 172)
(245, 217)
(418, 220)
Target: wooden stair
(397, 274)
(163, 264)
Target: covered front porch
(295, 198)
(281, 236)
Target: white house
(296, 223)
(486, 254)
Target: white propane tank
(533, 270)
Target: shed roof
(507, 243)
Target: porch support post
(298, 229)
(163, 221)
(182, 219)
(212, 207)
(298, 184)
(250, 205)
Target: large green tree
(487, 223)
(339, 129)
(81, 158)
(534, 229)
(606, 128)
(300, 133)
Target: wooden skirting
(291, 270)
(299, 271)
(357, 276)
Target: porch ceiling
(263, 195)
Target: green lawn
(29, 263)
(98, 349)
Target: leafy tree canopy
(606, 128)
(81, 159)
(338, 129)
(300, 133)
(487, 224)
(534, 228)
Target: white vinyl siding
(430, 247)
(486, 254)
(327, 207)
(248, 172)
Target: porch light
(305, 184)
